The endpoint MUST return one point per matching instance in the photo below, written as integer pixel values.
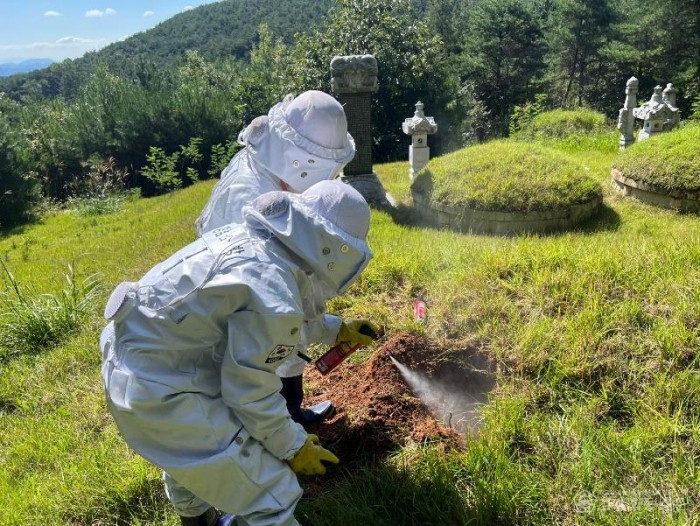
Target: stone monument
(659, 114)
(625, 121)
(418, 127)
(353, 80)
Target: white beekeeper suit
(300, 142)
(190, 353)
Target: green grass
(98, 205)
(32, 322)
(559, 124)
(669, 160)
(580, 130)
(506, 176)
(595, 333)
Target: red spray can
(338, 353)
(420, 310)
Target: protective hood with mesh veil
(326, 227)
(301, 140)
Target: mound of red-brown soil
(376, 412)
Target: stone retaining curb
(673, 199)
(491, 222)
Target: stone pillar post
(669, 98)
(625, 122)
(353, 80)
(669, 95)
(418, 127)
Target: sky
(60, 29)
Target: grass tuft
(32, 322)
(96, 205)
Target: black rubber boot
(208, 518)
(211, 517)
(293, 392)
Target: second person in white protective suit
(300, 142)
(191, 349)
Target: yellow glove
(309, 459)
(357, 331)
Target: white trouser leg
(284, 518)
(206, 450)
(186, 503)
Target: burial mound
(505, 187)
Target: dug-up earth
(376, 410)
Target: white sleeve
(257, 344)
(212, 216)
(322, 329)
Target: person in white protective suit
(300, 142)
(191, 349)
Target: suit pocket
(117, 387)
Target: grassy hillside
(218, 30)
(595, 332)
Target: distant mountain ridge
(222, 29)
(25, 66)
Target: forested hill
(223, 29)
(218, 30)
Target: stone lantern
(418, 127)
(659, 113)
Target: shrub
(670, 160)
(161, 170)
(695, 108)
(52, 137)
(169, 172)
(101, 191)
(191, 159)
(522, 116)
(221, 155)
(506, 176)
(97, 205)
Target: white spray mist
(448, 404)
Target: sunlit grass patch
(31, 322)
(558, 124)
(668, 161)
(580, 130)
(506, 176)
(595, 333)
(63, 460)
(98, 204)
